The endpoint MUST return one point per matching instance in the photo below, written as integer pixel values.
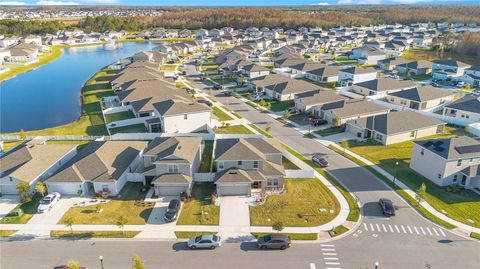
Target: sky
(230, 2)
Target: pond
(50, 95)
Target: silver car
(204, 241)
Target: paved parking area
(156, 226)
(234, 224)
(7, 204)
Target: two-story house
(466, 108)
(448, 69)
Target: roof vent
(232, 172)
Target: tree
(420, 194)
(23, 189)
(41, 188)
(22, 135)
(286, 114)
(69, 222)
(73, 264)
(262, 102)
(268, 128)
(121, 221)
(278, 226)
(336, 122)
(137, 262)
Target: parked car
(256, 97)
(203, 101)
(476, 93)
(228, 93)
(280, 241)
(293, 110)
(461, 84)
(204, 241)
(318, 159)
(317, 122)
(434, 84)
(172, 210)
(387, 207)
(48, 202)
(217, 87)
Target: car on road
(228, 93)
(203, 101)
(318, 159)
(476, 93)
(204, 241)
(293, 110)
(317, 122)
(217, 87)
(280, 241)
(172, 210)
(48, 202)
(387, 207)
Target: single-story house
(448, 69)
(282, 88)
(319, 101)
(395, 127)
(390, 63)
(352, 109)
(352, 75)
(470, 76)
(421, 67)
(380, 87)
(421, 98)
(467, 107)
(324, 74)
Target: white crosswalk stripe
(330, 258)
(428, 230)
(384, 228)
(328, 251)
(403, 229)
(371, 227)
(441, 231)
(391, 229)
(423, 232)
(410, 229)
(435, 231)
(365, 226)
(312, 266)
(396, 227)
(378, 227)
(399, 229)
(416, 229)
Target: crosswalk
(330, 258)
(403, 229)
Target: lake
(50, 95)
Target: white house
(354, 75)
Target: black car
(387, 207)
(217, 87)
(228, 93)
(317, 122)
(172, 210)
(318, 159)
(280, 241)
(203, 101)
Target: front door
(464, 179)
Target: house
(33, 39)
(390, 63)
(467, 108)
(380, 87)
(351, 109)
(352, 75)
(282, 88)
(395, 127)
(8, 41)
(470, 76)
(169, 163)
(246, 163)
(325, 73)
(32, 162)
(448, 69)
(371, 57)
(254, 71)
(421, 97)
(416, 67)
(318, 102)
(101, 167)
(448, 161)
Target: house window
(152, 159)
(239, 162)
(185, 116)
(455, 177)
(220, 165)
(379, 137)
(439, 175)
(459, 162)
(422, 152)
(255, 164)
(272, 182)
(105, 188)
(172, 168)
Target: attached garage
(234, 189)
(171, 184)
(6, 189)
(66, 188)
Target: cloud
(12, 3)
(56, 3)
(323, 4)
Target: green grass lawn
(207, 156)
(168, 67)
(475, 235)
(222, 116)
(233, 112)
(29, 209)
(275, 105)
(299, 206)
(287, 164)
(45, 58)
(459, 206)
(430, 55)
(92, 234)
(224, 81)
(191, 213)
(329, 131)
(260, 130)
(188, 235)
(91, 119)
(299, 236)
(420, 77)
(134, 128)
(130, 205)
(124, 115)
(233, 129)
(337, 231)
(8, 145)
(7, 233)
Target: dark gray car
(279, 241)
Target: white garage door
(65, 188)
(8, 189)
(169, 190)
(234, 190)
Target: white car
(48, 202)
(204, 241)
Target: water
(50, 95)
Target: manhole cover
(375, 235)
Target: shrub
(277, 226)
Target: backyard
(130, 204)
(124, 115)
(329, 131)
(305, 203)
(461, 206)
(207, 155)
(134, 128)
(200, 210)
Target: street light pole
(376, 265)
(101, 261)
(395, 175)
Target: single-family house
(325, 73)
(470, 76)
(323, 100)
(467, 108)
(420, 67)
(380, 87)
(282, 88)
(352, 75)
(395, 127)
(421, 97)
(254, 71)
(448, 69)
(391, 63)
(351, 109)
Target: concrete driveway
(156, 226)
(7, 204)
(234, 224)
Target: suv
(280, 241)
(318, 159)
(172, 210)
(387, 207)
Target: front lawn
(459, 206)
(305, 203)
(329, 131)
(200, 210)
(287, 164)
(293, 236)
(8, 145)
(134, 128)
(276, 106)
(124, 115)
(92, 234)
(7, 233)
(260, 130)
(129, 204)
(29, 209)
(221, 116)
(233, 129)
(188, 235)
(233, 112)
(337, 231)
(207, 155)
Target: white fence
(132, 121)
(203, 177)
(303, 173)
(474, 129)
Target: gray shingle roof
(422, 94)
(386, 84)
(359, 70)
(467, 103)
(172, 178)
(356, 107)
(173, 148)
(452, 148)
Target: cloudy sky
(228, 2)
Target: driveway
(234, 224)
(156, 226)
(7, 204)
